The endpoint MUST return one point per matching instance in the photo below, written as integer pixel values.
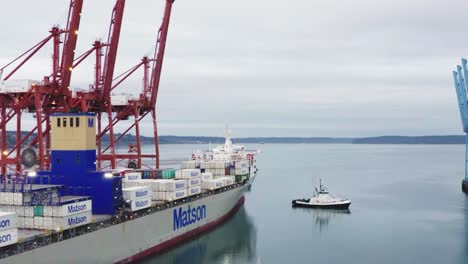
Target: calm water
(407, 207)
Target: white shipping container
(140, 204)
(193, 182)
(208, 165)
(175, 195)
(187, 173)
(227, 180)
(190, 164)
(48, 223)
(8, 237)
(6, 198)
(193, 190)
(206, 176)
(132, 176)
(71, 209)
(18, 198)
(71, 221)
(212, 184)
(219, 172)
(157, 196)
(28, 211)
(19, 210)
(172, 185)
(136, 192)
(241, 164)
(153, 184)
(17, 86)
(242, 171)
(39, 222)
(48, 210)
(29, 222)
(7, 220)
(20, 223)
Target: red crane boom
(159, 53)
(69, 47)
(111, 54)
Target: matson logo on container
(180, 185)
(7, 220)
(141, 193)
(5, 224)
(76, 208)
(189, 216)
(140, 204)
(8, 237)
(77, 220)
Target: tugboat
(322, 199)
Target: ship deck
(29, 239)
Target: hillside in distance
(130, 139)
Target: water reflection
(234, 242)
(323, 217)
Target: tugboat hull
(298, 203)
(465, 186)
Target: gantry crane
(461, 84)
(42, 98)
(142, 106)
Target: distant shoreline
(415, 140)
(448, 139)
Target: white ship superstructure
(226, 160)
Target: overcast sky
(275, 68)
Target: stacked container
(193, 179)
(218, 168)
(64, 216)
(212, 184)
(170, 190)
(163, 189)
(190, 164)
(139, 197)
(8, 229)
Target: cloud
(276, 68)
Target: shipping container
(38, 210)
(67, 222)
(131, 176)
(193, 182)
(170, 195)
(189, 164)
(8, 237)
(8, 220)
(187, 173)
(193, 190)
(172, 185)
(227, 180)
(140, 204)
(241, 164)
(168, 174)
(206, 176)
(212, 184)
(136, 192)
(71, 209)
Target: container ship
(74, 213)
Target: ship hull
(136, 239)
(322, 206)
(465, 186)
